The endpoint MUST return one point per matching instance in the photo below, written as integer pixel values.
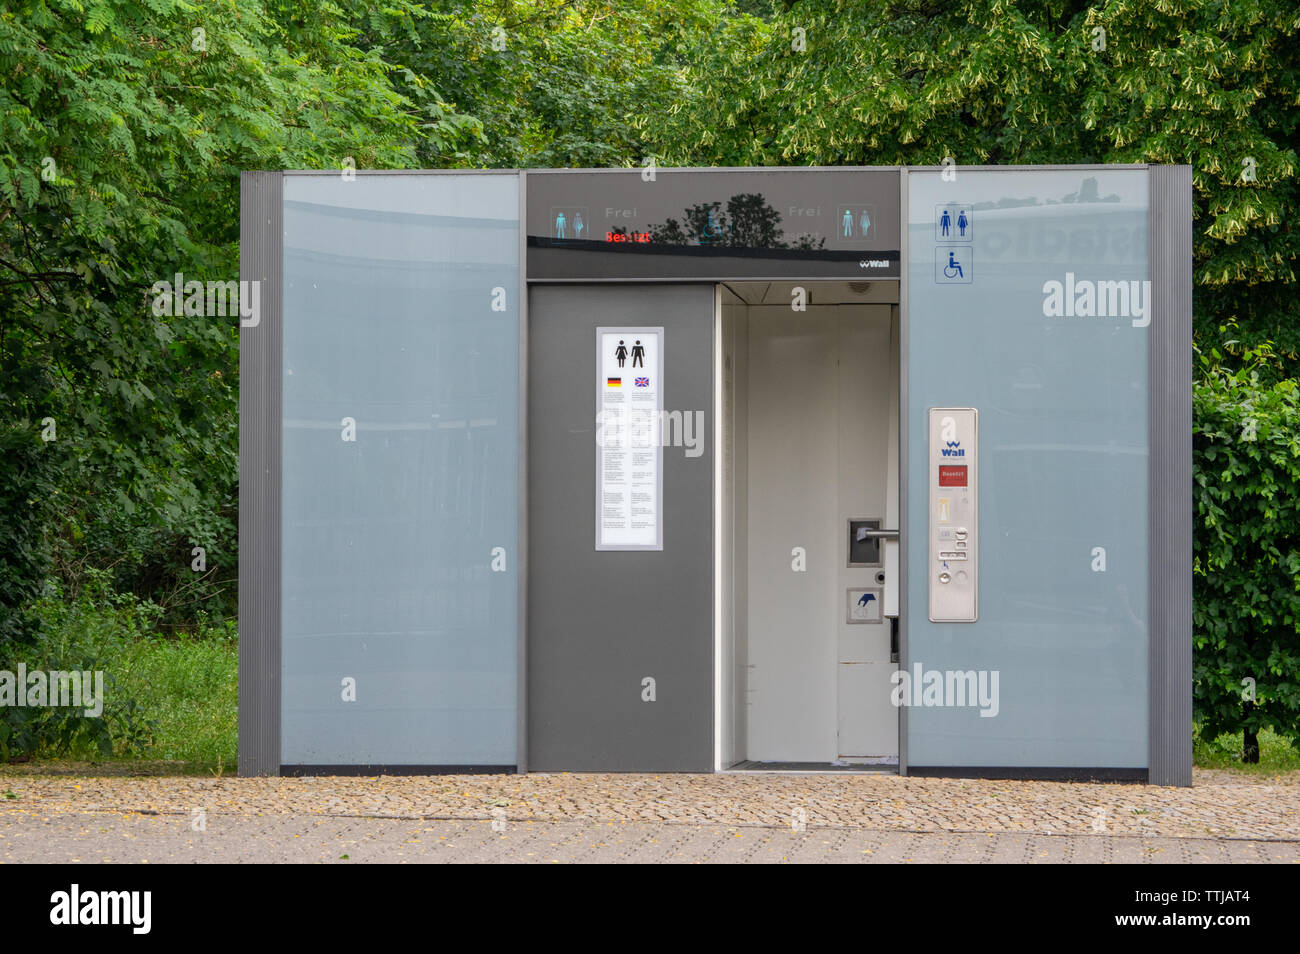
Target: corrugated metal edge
(521, 480)
(1170, 489)
(904, 449)
(261, 259)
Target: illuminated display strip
(713, 224)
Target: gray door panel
(601, 622)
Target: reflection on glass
(398, 540)
(748, 221)
(1062, 395)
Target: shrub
(94, 633)
(1246, 452)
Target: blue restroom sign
(954, 265)
(954, 222)
(570, 223)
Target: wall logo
(952, 449)
(1074, 298)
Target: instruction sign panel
(629, 438)
(865, 604)
(954, 515)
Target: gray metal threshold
(814, 768)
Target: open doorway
(807, 498)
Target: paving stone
(133, 838)
(630, 817)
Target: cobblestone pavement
(133, 838)
(1220, 804)
(1223, 817)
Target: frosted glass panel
(1008, 313)
(400, 470)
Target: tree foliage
(124, 125)
(1210, 84)
(1214, 85)
(549, 83)
(1247, 549)
(123, 129)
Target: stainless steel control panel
(954, 514)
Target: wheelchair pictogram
(954, 264)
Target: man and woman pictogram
(945, 223)
(562, 225)
(863, 223)
(638, 353)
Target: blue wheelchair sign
(954, 265)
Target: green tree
(545, 83)
(1038, 81)
(1209, 84)
(123, 129)
(1247, 553)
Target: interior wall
(807, 405)
(793, 438)
(733, 525)
(867, 721)
(740, 538)
(725, 577)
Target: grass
(1276, 754)
(180, 691)
(184, 691)
(188, 687)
